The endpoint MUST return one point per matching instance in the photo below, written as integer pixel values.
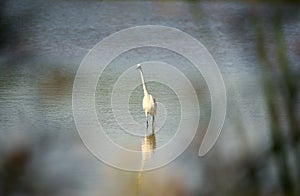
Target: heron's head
(138, 66)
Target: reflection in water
(148, 146)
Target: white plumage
(149, 104)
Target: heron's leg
(153, 118)
(147, 124)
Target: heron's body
(149, 104)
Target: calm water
(37, 92)
(61, 34)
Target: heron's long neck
(143, 82)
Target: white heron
(149, 104)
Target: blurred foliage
(13, 168)
(282, 87)
(38, 167)
(281, 84)
(13, 46)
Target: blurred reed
(280, 79)
(281, 87)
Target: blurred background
(256, 45)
